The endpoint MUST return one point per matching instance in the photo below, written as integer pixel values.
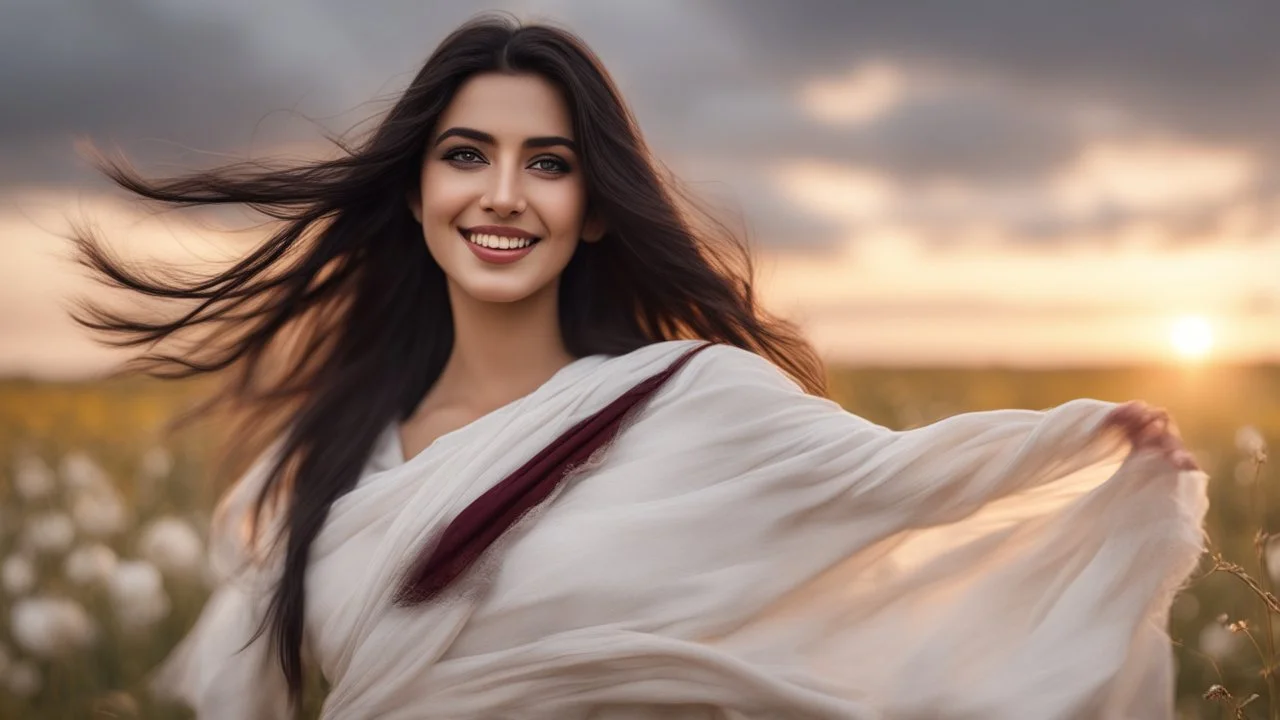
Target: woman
(540, 455)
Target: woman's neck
(502, 351)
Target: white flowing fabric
(743, 550)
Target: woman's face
(502, 198)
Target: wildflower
(1251, 444)
(18, 575)
(1246, 472)
(80, 473)
(49, 627)
(23, 679)
(173, 546)
(100, 512)
(32, 478)
(1218, 642)
(1217, 692)
(51, 532)
(90, 564)
(157, 463)
(137, 593)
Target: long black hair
(339, 323)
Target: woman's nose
(505, 194)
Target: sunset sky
(974, 182)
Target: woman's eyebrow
(484, 137)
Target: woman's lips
(494, 255)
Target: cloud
(990, 112)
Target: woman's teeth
(497, 242)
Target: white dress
(743, 550)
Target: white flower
(1218, 642)
(18, 575)
(90, 564)
(32, 478)
(100, 512)
(137, 593)
(1250, 443)
(157, 463)
(50, 627)
(80, 472)
(173, 545)
(1245, 473)
(51, 532)
(23, 679)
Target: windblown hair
(339, 323)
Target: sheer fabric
(742, 550)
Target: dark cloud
(712, 83)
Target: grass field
(85, 434)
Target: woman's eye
(466, 157)
(551, 165)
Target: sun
(1191, 336)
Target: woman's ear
(414, 198)
(593, 229)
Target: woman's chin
(498, 293)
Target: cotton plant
(65, 571)
(33, 479)
(18, 575)
(99, 513)
(173, 546)
(48, 533)
(51, 628)
(90, 565)
(98, 508)
(80, 472)
(1218, 641)
(138, 595)
(157, 463)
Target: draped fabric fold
(742, 550)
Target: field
(98, 506)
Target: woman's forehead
(509, 107)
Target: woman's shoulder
(719, 365)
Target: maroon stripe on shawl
(482, 522)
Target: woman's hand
(1151, 428)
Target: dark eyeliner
(563, 165)
(450, 154)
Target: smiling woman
(535, 452)
(506, 155)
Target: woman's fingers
(1153, 428)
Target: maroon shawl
(482, 522)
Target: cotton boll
(49, 533)
(50, 627)
(157, 463)
(18, 575)
(32, 478)
(100, 513)
(1218, 642)
(173, 546)
(137, 593)
(1245, 473)
(80, 473)
(1250, 442)
(90, 564)
(23, 679)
